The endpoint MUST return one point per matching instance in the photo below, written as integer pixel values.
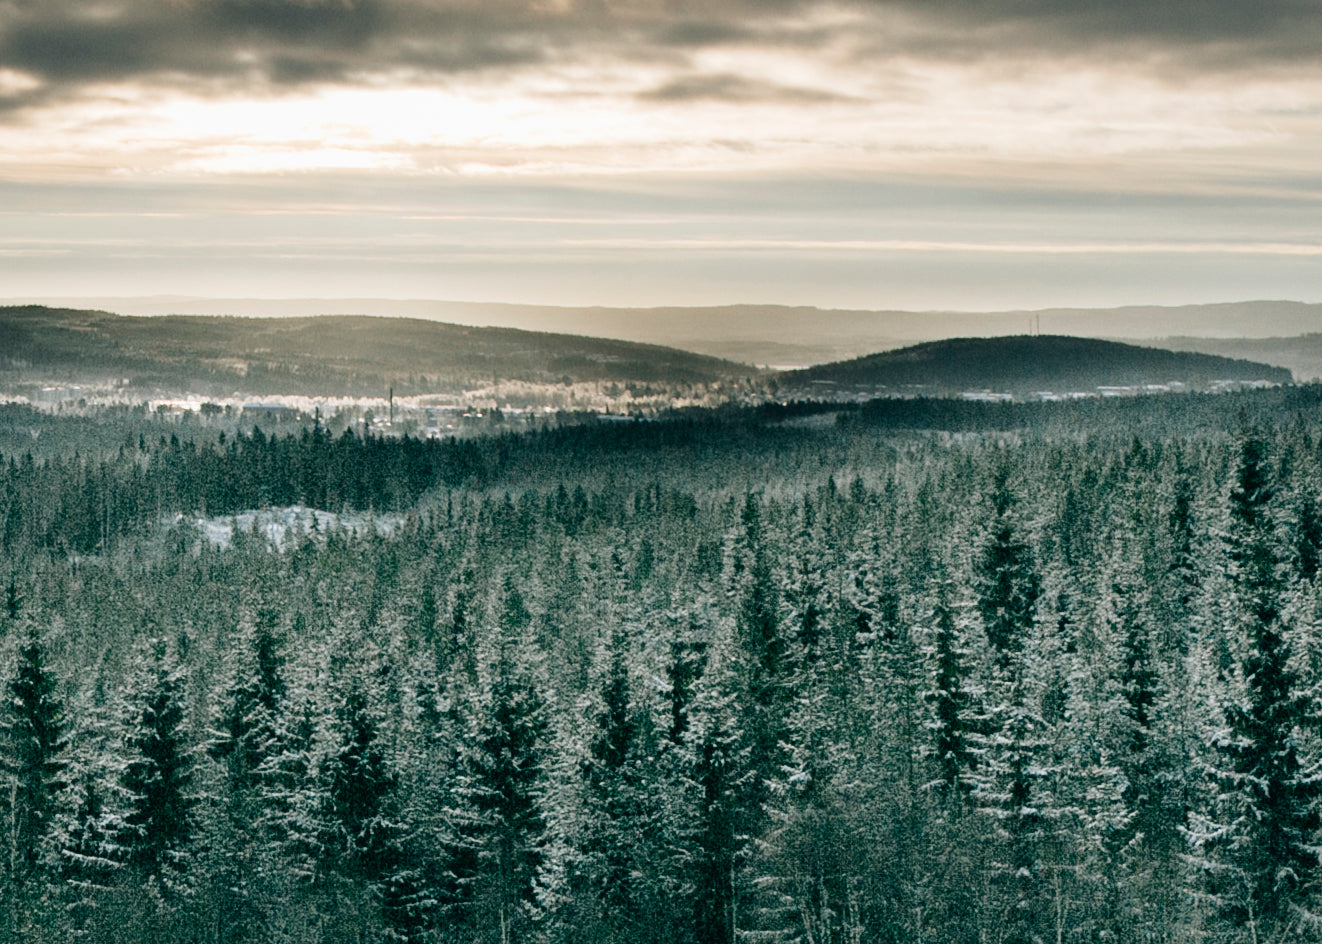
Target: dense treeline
(762, 676)
(81, 506)
(82, 502)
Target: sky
(892, 154)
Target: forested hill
(1301, 353)
(1026, 364)
(345, 355)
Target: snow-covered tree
(159, 821)
(33, 743)
(1260, 839)
(1007, 578)
(497, 826)
(950, 723)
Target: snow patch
(279, 526)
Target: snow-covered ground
(278, 526)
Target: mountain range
(781, 336)
(346, 355)
(354, 355)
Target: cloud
(1164, 35)
(737, 89)
(67, 44)
(318, 22)
(698, 33)
(1177, 21)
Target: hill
(1302, 354)
(778, 334)
(1024, 365)
(344, 355)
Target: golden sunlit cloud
(13, 82)
(520, 128)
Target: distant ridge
(326, 355)
(786, 336)
(1024, 365)
(1301, 353)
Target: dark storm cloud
(273, 41)
(698, 33)
(1084, 21)
(313, 23)
(736, 89)
(1197, 35)
(68, 43)
(69, 48)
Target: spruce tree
(32, 768)
(684, 668)
(1261, 841)
(245, 732)
(764, 655)
(85, 850)
(495, 850)
(632, 826)
(1008, 584)
(724, 778)
(1308, 538)
(1012, 792)
(359, 790)
(158, 774)
(240, 862)
(950, 726)
(1012, 734)
(33, 745)
(612, 795)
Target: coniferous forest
(910, 671)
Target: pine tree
(611, 793)
(1011, 792)
(245, 734)
(724, 778)
(359, 791)
(631, 823)
(84, 851)
(159, 821)
(1131, 722)
(765, 656)
(495, 850)
(1261, 843)
(949, 724)
(33, 744)
(1008, 584)
(239, 859)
